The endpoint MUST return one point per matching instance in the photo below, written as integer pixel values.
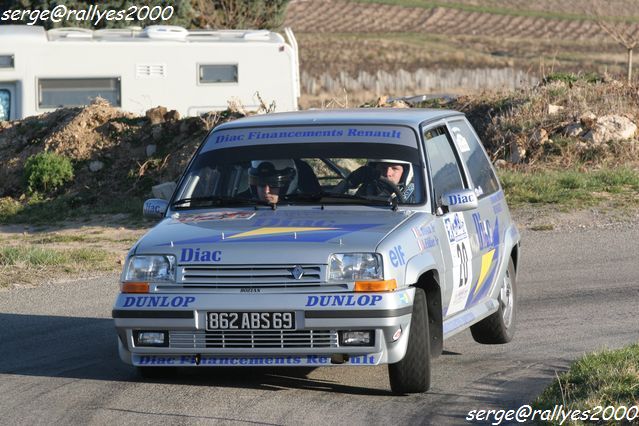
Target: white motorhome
(136, 69)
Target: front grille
(231, 276)
(255, 339)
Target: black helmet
(274, 173)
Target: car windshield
(377, 170)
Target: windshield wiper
(216, 200)
(327, 197)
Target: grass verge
(572, 188)
(606, 378)
(47, 211)
(27, 264)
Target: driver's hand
(362, 175)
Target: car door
(447, 174)
(487, 222)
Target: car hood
(269, 236)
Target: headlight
(150, 269)
(355, 266)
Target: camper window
(5, 104)
(58, 92)
(6, 61)
(218, 73)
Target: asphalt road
(578, 292)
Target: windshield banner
(285, 135)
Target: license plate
(250, 321)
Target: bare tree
(619, 28)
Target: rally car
(323, 238)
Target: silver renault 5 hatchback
(324, 238)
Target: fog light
(397, 335)
(357, 338)
(151, 338)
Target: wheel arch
(514, 255)
(430, 283)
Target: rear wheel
(412, 373)
(500, 327)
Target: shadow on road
(86, 348)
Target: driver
(375, 173)
(268, 179)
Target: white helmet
(274, 173)
(407, 174)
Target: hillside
(352, 50)
(117, 157)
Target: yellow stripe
(486, 260)
(276, 231)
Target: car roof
(374, 116)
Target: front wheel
(412, 373)
(500, 327)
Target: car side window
(474, 157)
(444, 166)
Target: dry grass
(29, 256)
(513, 121)
(28, 264)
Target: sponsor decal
(497, 197)
(282, 233)
(158, 301)
(425, 235)
(223, 138)
(458, 322)
(484, 232)
(302, 134)
(497, 201)
(397, 256)
(204, 360)
(460, 140)
(249, 290)
(198, 255)
(462, 258)
(210, 216)
(343, 300)
(455, 227)
(403, 298)
(489, 261)
(454, 199)
(293, 222)
(154, 208)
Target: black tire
(412, 373)
(495, 330)
(155, 372)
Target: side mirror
(155, 208)
(459, 201)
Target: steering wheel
(367, 175)
(388, 186)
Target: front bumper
(318, 317)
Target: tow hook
(339, 358)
